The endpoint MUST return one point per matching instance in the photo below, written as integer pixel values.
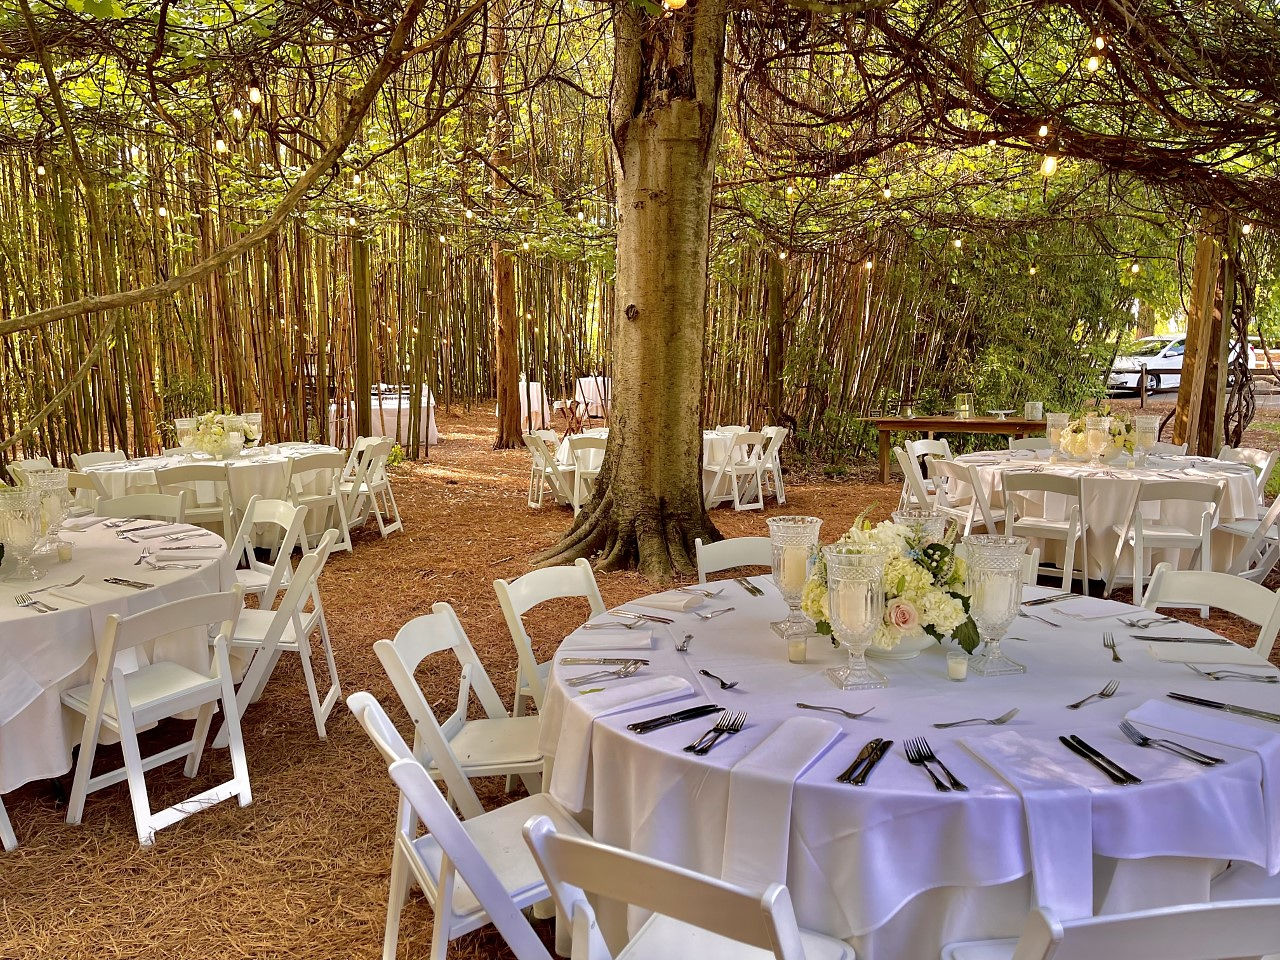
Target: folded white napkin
(177, 556)
(1205, 653)
(82, 523)
(1164, 718)
(758, 832)
(638, 638)
(677, 602)
(573, 747)
(1093, 608)
(1059, 814)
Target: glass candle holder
(855, 601)
(925, 523)
(52, 501)
(1054, 424)
(19, 523)
(794, 541)
(1097, 436)
(995, 592)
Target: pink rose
(902, 615)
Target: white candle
(64, 551)
(957, 665)
(795, 568)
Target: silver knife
(1219, 641)
(602, 661)
(1228, 707)
(864, 755)
(881, 752)
(121, 581)
(748, 586)
(1052, 598)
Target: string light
(469, 215)
(161, 211)
(1048, 166)
(237, 113)
(1093, 64)
(888, 194)
(782, 255)
(355, 179)
(1100, 42)
(991, 142)
(351, 221)
(220, 145)
(1044, 129)
(255, 95)
(790, 190)
(870, 264)
(581, 216)
(525, 245)
(1134, 267)
(1032, 271)
(40, 173)
(441, 238)
(957, 243)
(1245, 228)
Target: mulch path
(303, 871)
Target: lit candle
(794, 562)
(957, 665)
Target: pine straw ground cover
(303, 871)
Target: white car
(1162, 356)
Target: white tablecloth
(1109, 492)
(895, 867)
(42, 654)
(596, 393)
(390, 419)
(263, 472)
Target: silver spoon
(846, 713)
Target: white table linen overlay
(42, 654)
(1059, 817)
(760, 789)
(390, 419)
(895, 867)
(580, 712)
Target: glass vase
(995, 592)
(794, 540)
(52, 500)
(926, 524)
(19, 520)
(855, 601)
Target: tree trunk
(1198, 418)
(506, 363)
(664, 118)
(363, 334)
(775, 339)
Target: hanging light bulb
(40, 173)
(581, 216)
(162, 211)
(1100, 42)
(1093, 64)
(220, 145)
(782, 255)
(888, 194)
(1134, 268)
(525, 245)
(351, 221)
(255, 95)
(237, 113)
(469, 215)
(1049, 165)
(1044, 130)
(1245, 228)
(991, 142)
(674, 4)
(355, 179)
(870, 264)
(1032, 271)
(790, 190)
(957, 243)
(441, 238)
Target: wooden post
(360, 310)
(1197, 418)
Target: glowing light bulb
(782, 255)
(1032, 271)
(888, 194)
(1093, 64)
(441, 238)
(1134, 268)
(351, 221)
(869, 264)
(355, 179)
(1100, 42)
(581, 216)
(957, 243)
(255, 95)
(1048, 166)
(40, 173)
(162, 211)
(1044, 129)
(675, 4)
(237, 113)
(790, 190)
(991, 142)
(220, 145)
(1245, 228)
(525, 245)
(469, 215)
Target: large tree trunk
(506, 364)
(664, 118)
(1198, 417)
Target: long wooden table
(1013, 427)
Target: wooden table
(1014, 427)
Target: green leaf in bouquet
(967, 635)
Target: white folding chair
(270, 633)
(715, 471)
(8, 839)
(1168, 449)
(1067, 531)
(744, 471)
(1262, 461)
(693, 915)
(731, 428)
(1261, 549)
(517, 597)
(1030, 443)
(916, 491)
(19, 470)
(82, 460)
(315, 483)
(498, 875)
(286, 523)
(83, 489)
(928, 450)
(144, 506)
(971, 511)
(771, 460)
(1142, 534)
(123, 703)
(1244, 598)
(731, 553)
(358, 447)
(208, 495)
(497, 745)
(545, 472)
(1196, 931)
(369, 491)
(588, 456)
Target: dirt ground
(303, 871)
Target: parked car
(1162, 357)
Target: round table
(1108, 497)
(42, 654)
(896, 867)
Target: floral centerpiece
(213, 432)
(924, 587)
(1075, 441)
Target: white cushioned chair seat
(662, 938)
(981, 950)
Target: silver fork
(701, 591)
(711, 614)
(1003, 718)
(172, 537)
(39, 606)
(1148, 624)
(146, 553)
(683, 645)
(59, 586)
(845, 713)
(1108, 691)
(625, 670)
(1235, 675)
(727, 725)
(1109, 641)
(1036, 616)
(1187, 753)
(916, 758)
(929, 756)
